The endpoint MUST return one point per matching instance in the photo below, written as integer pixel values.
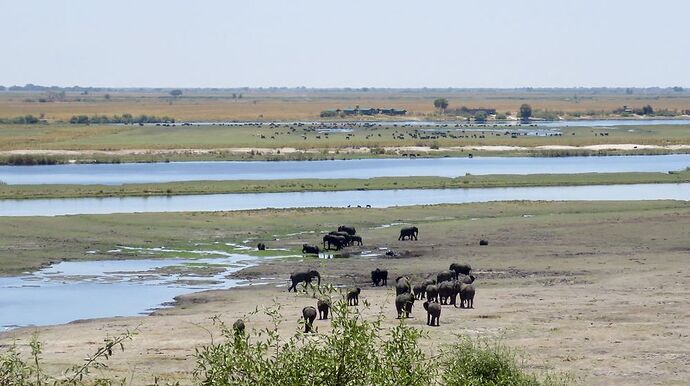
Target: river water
(374, 198)
(115, 174)
(70, 291)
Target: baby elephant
(309, 314)
(433, 313)
(238, 326)
(261, 247)
(323, 306)
(353, 296)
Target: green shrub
(482, 362)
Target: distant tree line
(124, 118)
(22, 120)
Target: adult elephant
(410, 233)
(445, 291)
(349, 229)
(379, 277)
(330, 241)
(462, 268)
(303, 276)
(403, 304)
(445, 276)
(402, 285)
(310, 249)
(466, 293)
(344, 235)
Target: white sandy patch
(351, 150)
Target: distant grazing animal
(303, 276)
(345, 228)
(309, 314)
(353, 296)
(261, 246)
(356, 239)
(323, 305)
(379, 277)
(402, 285)
(463, 268)
(310, 249)
(403, 304)
(483, 242)
(433, 313)
(410, 233)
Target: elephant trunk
(319, 278)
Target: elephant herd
(444, 289)
(346, 236)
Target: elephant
(356, 239)
(353, 296)
(433, 313)
(432, 292)
(483, 242)
(323, 305)
(467, 295)
(409, 232)
(309, 314)
(332, 240)
(303, 276)
(261, 247)
(445, 291)
(467, 279)
(345, 235)
(346, 228)
(419, 291)
(403, 304)
(379, 276)
(464, 269)
(456, 290)
(402, 285)
(445, 276)
(310, 249)
(428, 282)
(238, 326)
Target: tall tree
(441, 104)
(525, 111)
(176, 92)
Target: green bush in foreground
(354, 352)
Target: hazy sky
(328, 43)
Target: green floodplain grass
(318, 185)
(28, 243)
(108, 137)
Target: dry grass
(294, 104)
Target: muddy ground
(602, 295)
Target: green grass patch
(325, 185)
